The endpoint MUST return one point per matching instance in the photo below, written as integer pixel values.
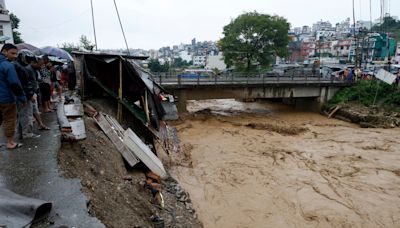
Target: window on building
(1, 30)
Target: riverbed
(268, 165)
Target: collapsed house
(140, 101)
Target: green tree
(252, 40)
(15, 25)
(69, 47)
(179, 63)
(390, 25)
(155, 66)
(86, 43)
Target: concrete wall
(7, 31)
(305, 95)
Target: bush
(364, 92)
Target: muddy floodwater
(267, 165)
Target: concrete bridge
(308, 92)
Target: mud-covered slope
(117, 196)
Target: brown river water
(267, 165)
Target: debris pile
(120, 195)
(366, 117)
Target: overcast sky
(151, 24)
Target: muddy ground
(263, 165)
(116, 193)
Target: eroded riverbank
(263, 165)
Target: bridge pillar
(326, 94)
(182, 101)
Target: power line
(122, 29)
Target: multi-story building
(375, 47)
(322, 26)
(199, 60)
(153, 54)
(215, 62)
(323, 34)
(397, 55)
(306, 29)
(297, 30)
(343, 27)
(5, 23)
(185, 56)
(382, 47)
(342, 48)
(307, 49)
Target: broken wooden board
(111, 130)
(143, 152)
(73, 110)
(78, 129)
(62, 119)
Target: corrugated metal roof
(109, 55)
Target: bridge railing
(243, 78)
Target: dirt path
(287, 169)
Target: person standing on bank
(32, 69)
(10, 91)
(25, 114)
(45, 84)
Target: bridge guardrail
(235, 78)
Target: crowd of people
(358, 74)
(28, 82)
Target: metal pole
(263, 78)
(355, 38)
(122, 29)
(94, 27)
(293, 74)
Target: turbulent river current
(267, 165)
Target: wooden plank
(146, 106)
(334, 111)
(115, 124)
(112, 134)
(143, 152)
(62, 119)
(78, 129)
(73, 110)
(119, 112)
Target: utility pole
(94, 27)
(356, 50)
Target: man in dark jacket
(25, 115)
(10, 91)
